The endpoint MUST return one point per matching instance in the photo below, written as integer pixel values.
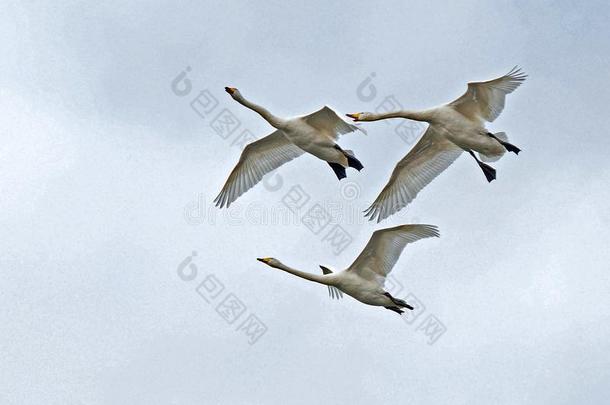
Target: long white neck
(276, 122)
(307, 276)
(408, 114)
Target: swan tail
(338, 169)
(501, 136)
(490, 158)
(493, 158)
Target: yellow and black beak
(354, 116)
(264, 259)
(230, 90)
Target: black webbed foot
(338, 169)
(353, 162)
(395, 309)
(488, 171)
(509, 146)
(398, 301)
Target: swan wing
(485, 100)
(428, 158)
(380, 255)
(257, 159)
(328, 122)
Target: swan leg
(509, 146)
(488, 171)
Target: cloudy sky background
(103, 169)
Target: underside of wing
(384, 248)
(428, 158)
(334, 293)
(485, 100)
(330, 123)
(257, 159)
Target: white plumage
(315, 133)
(453, 128)
(364, 279)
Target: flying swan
(453, 128)
(365, 278)
(315, 133)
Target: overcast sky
(108, 175)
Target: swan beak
(263, 259)
(230, 90)
(354, 116)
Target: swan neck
(408, 114)
(263, 112)
(307, 276)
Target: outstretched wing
(333, 292)
(258, 158)
(328, 122)
(428, 158)
(485, 100)
(380, 255)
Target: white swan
(315, 133)
(365, 278)
(453, 128)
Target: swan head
(233, 92)
(270, 261)
(360, 116)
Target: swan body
(302, 134)
(453, 128)
(315, 133)
(365, 277)
(465, 133)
